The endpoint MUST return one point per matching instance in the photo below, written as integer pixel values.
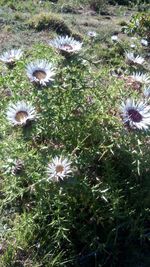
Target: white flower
(20, 113)
(144, 42)
(92, 34)
(66, 44)
(134, 38)
(114, 38)
(131, 59)
(136, 115)
(132, 45)
(9, 57)
(59, 168)
(147, 92)
(141, 78)
(40, 72)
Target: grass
(49, 21)
(100, 215)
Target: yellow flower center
(39, 74)
(21, 116)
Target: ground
(16, 32)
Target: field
(75, 134)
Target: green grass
(98, 217)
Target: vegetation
(97, 214)
(49, 21)
(140, 23)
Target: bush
(139, 24)
(97, 5)
(49, 21)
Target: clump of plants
(140, 24)
(49, 21)
(98, 5)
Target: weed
(49, 21)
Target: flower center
(11, 58)
(136, 85)
(135, 115)
(21, 116)
(39, 74)
(67, 47)
(59, 168)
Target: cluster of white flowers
(41, 72)
(135, 114)
(20, 114)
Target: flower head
(134, 38)
(136, 115)
(66, 44)
(144, 42)
(133, 60)
(92, 34)
(59, 168)
(11, 56)
(40, 72)
(114, 38)
(140, 77)
(20, 113)
(133, 46)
